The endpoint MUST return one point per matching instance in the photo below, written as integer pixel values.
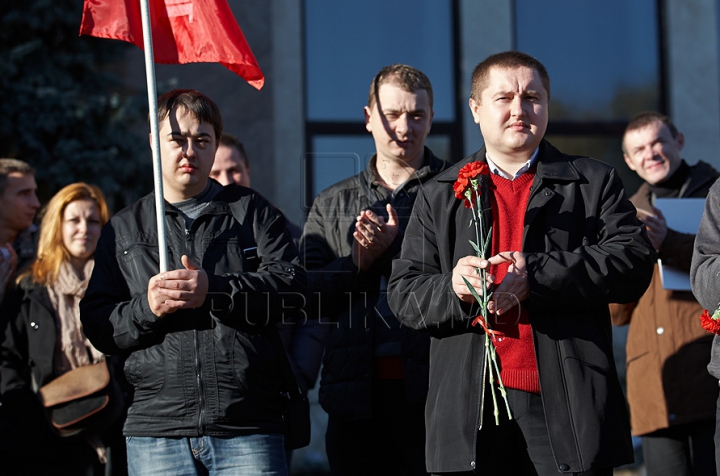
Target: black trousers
(682, 450)
(520, 446)
(392, 442)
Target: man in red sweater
(565, 243)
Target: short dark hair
(200, 106)
(9, 166)
(229, 140)
(505, 60)
(645, 119)
(406, 77)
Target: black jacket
(584, 248)
(345, 298)
(27, 347)
(214, 370)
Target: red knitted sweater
(516, 349)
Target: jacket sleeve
(615, 266)
(420, 291)
(705, 266)
(114, 321)
(331, 273)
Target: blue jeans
(206, 455)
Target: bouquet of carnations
(468, 188)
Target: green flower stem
(501, 386)
(482, 240)
(488, 354)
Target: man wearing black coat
(565, 243)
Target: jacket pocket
(145, 371)
(228, 255)
(138, 262)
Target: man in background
(375, 372)
(670, 393)
(231, 163)
(18, 205)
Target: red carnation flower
(468, 172)
(708, 323)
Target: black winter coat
(584, 248)
(344, 298)
(29, 338)
(214, 370)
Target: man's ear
(680, 139)
(474, 107)
(368, 113)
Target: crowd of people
(441, 349)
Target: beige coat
(667, 349)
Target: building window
(346, 44)
(604, 62)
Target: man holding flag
(202, 350)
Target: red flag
(183, 31)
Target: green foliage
(65, 110)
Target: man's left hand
(514, 287)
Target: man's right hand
(467, 267)
(656, 228)
(373, 236)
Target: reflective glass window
(603, 57)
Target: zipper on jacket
(198, 376)
(196, 337)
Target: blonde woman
(42, 338)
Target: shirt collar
(528, 165)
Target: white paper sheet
(682, 215)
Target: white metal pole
(155, 133)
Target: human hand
(373, 236)
(467, 268)
(656, 227)
(177, 289)
(514, 287)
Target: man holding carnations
(530, 387)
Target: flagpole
(154, 134)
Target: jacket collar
(551, 165)
(431, 165)
(700, 174)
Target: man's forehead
(180, 113)
(504, 76)
(653, 129)
(228, 153)
(393, 91)
(17, 182)
(21, 180)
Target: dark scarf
(670, 188)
